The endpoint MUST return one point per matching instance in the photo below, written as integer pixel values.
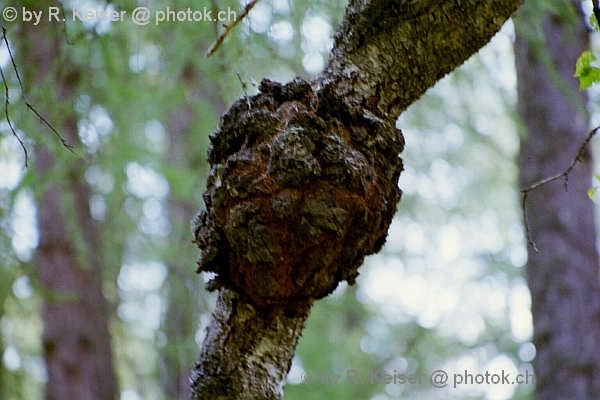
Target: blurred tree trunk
(563, 277)
(304, 182)
(180, 325)
(77, 346)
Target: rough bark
(76, 341)
(563, 276)
(242, 344)
(304, 182)
(388, 53)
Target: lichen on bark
(302, 188)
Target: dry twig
(215, 46)
(27, 104)
(565, 174)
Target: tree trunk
(563, 276)
(304, 182)
(77, 345)
(180, 325)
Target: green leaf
(587, 74)
(591, 192)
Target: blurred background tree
(138, 102)
(563, 274)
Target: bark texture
(387, 53)
(76, 341)
(300, 191)
(304, 181)
(563, 276)
(297, 196)
(245, 356)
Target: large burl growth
(301, 189)
(303, 182)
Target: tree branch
(304, 180)
(565, 174)
(388, 53)
(245, 354)
(228, 28)
(28, 105)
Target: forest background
(137, 102)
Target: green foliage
(594, 22)
(592, 191)
(587, 74)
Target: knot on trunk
(301, 189)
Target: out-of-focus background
(447, 291)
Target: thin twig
(215, 46)
(12, 129)
(244, 87)
(29, 106)
(565, 174)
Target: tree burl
(301, 189)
